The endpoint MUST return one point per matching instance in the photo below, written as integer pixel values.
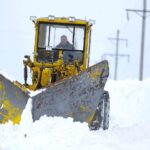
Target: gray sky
(17, 31)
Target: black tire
(101, 118)
(106, 110)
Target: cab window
(55, 37)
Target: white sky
(17, 31)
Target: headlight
(50, 17)
(72, 18)
(33, 18)
(91, 22)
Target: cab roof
(65, 20)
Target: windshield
(54, 37)
(61, 36)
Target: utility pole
(114, 55)
(117, 39)
(144, 12)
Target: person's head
(63, 39)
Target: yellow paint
(94, 74)
(90, 118)
(85, 108)
(62, 20)
(2, 90)
(20, 86)
(9, 112)
(45, 78)
(1, 87)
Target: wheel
(101, 117)
(106, 111)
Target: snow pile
(130, 101)
(129, 125)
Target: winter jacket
(65, 46)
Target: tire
(101, 117)
(106, 110)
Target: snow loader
(60, 72)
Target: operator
(64, 43)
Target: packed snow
(129, 125)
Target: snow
(33, 93)
(129, 125)
(5, 74)
(129, 100)
(130, 106)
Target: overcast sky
(17, 31)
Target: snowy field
(129, 125)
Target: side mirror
(27, 61)
(27, 56)
(33, 18)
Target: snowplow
(60, 71)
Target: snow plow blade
(13, 100)
(77, 96)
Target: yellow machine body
(45, 72)
(60, 64)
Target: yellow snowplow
(60, 67)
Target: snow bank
(129, 125)
(129, 101)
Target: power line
(113, 55)
(117, 39)
(143, 15)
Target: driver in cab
(64, 43)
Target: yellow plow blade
(12, 101)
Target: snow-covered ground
(129, 125)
